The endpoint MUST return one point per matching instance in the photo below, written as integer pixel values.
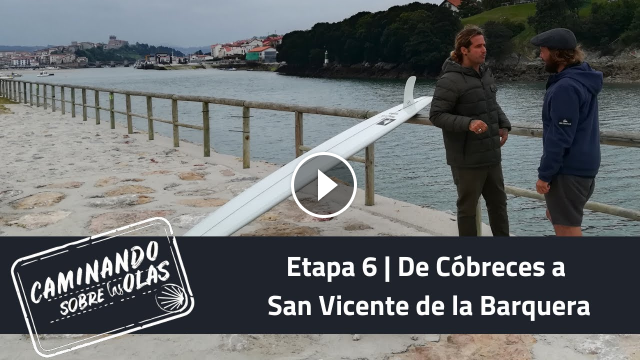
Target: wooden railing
(17, 91)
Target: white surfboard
(276, 187)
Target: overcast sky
(174, 22)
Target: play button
(324, 185)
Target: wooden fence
(23, 92)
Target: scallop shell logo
(172, 298)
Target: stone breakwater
(69, 177)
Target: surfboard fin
(408, 92)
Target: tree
(417, 34)
(555, 13)
(469, 8)
(498, 37)
(490, 4)
(632, 35)
(199, 52)
(608, 21)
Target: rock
(5, 218)
(284, 230)
(113, 220)
(466, 346)
(6, 194)
(460, 339)
(107, 181)
(121, 201)
(269, 216)
(357, 227)
(133, 180)
(227, 172)
(129, 189)
(39, 200)
(171, 186)
(249, 178)
(188, 220)
(196, 192)
(35, 221)
(432, 337)
(203, 202)
(191, 176)
(169, 151)
(157, 172)
(66, 185)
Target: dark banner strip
(319, 285)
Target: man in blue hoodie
(571, 135)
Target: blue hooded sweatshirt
(571, 134)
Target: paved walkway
(69, 177)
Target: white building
(451, 4)
(21, 61)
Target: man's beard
(551, 67)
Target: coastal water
(410, 161)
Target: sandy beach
(67, 177)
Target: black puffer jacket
(462, 95)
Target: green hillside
(518, 13)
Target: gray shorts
(567, 197)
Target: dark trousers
(488, 182)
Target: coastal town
(256, 49)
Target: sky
(169, 22)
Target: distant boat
(43, 74)
(5, 77)
(232, 69)
(16, 75)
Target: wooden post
(246, 144)
(73, 102)
(53, 98)
(1, 88)
(299, 133)
(369, 166)
(129, 119)
(37, 95)
(31, 94)
(479, 218)
(96, 94)
(174, 119)
(205, 130)
(24, 92)
(84, 104)
(44, 95)
(15, 95)
(150, 116)
(62, 101)
(112, 115)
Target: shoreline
(614, 72)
